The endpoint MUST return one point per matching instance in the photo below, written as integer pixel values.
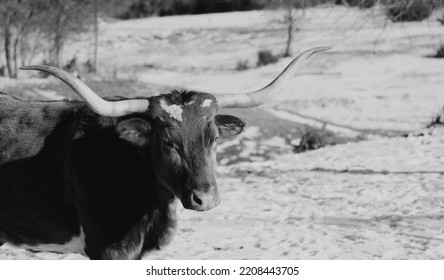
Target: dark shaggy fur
(65, 169)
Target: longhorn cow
(102, 177)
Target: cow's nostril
(197, 200)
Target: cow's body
(66, 178)
(103, 176)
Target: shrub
(410, 10)
(71, 67)
(265, 57)
(303, 4)
(242, 65)
(89, 66)
(439, 52)
(441, 19)
(144, 8)
(311, 140)
(363, 4)
(437, 120)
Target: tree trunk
(14, 55)
(290, 19)
(33, 47)
(57, 40)
(96, 37)
(7, 41)
(57, 50)
(56, 47)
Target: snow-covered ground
(376, 199)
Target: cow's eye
(170, 145)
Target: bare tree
(103, 8)
(18, 18)
(7, 15)
(292, 11)
(64, 19)
(29, 26)
(289, 21)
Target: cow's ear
(135, 131)
(228, 126)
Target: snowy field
(381, 198)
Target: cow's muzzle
(201, 201)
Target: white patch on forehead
(75, 245)
(206, 103)
(191, 102)
(175, 111)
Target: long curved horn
(259, 97)
(97, 104)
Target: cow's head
(181, 129)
